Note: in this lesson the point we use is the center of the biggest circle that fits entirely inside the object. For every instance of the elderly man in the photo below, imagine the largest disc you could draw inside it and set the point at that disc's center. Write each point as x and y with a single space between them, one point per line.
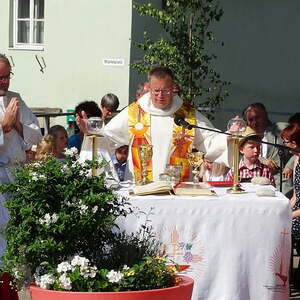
19 130
257 118
150 120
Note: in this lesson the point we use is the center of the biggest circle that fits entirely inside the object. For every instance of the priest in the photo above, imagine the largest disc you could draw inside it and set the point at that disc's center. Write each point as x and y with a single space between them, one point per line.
19 130
150 120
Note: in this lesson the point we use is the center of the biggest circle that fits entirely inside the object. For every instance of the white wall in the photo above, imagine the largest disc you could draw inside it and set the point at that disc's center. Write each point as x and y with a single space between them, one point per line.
78 35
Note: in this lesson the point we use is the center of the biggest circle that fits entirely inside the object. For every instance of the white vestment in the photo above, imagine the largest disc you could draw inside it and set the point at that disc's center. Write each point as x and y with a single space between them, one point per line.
13 146
213 144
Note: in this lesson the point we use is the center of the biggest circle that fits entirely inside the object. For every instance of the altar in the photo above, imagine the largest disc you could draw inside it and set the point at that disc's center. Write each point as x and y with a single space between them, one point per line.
236 247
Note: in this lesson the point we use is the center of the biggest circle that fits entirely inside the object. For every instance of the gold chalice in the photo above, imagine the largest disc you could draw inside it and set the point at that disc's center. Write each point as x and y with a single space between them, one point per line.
196 159
145 154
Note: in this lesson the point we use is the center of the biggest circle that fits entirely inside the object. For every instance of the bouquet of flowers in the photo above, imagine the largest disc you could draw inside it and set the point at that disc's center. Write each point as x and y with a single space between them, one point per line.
62 232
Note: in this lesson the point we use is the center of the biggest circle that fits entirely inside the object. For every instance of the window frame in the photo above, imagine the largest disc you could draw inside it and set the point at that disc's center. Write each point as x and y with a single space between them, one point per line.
30 45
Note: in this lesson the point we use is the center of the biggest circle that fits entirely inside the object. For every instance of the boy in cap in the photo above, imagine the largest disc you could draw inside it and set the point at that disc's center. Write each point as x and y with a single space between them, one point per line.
250 166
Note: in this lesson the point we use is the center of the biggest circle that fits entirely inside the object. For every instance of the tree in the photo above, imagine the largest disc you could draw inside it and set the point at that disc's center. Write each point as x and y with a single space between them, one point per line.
184 48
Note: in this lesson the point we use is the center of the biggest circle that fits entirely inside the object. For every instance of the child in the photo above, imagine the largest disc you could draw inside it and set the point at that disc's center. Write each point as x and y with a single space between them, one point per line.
250 166
60 137
120 160
212 171
45 148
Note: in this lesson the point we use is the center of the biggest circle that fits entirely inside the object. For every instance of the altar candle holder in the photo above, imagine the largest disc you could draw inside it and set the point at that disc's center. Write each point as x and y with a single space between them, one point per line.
239 126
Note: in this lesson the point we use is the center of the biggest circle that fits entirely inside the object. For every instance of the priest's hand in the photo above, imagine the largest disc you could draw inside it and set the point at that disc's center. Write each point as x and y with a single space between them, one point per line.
10 115
82 121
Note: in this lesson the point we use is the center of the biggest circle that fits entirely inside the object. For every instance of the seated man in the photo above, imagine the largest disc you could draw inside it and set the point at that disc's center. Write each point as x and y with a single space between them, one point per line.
150 121
109 105
84 109
250 166
257 118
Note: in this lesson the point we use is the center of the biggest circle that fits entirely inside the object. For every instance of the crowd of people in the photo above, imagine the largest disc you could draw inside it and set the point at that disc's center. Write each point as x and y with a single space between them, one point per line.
149 120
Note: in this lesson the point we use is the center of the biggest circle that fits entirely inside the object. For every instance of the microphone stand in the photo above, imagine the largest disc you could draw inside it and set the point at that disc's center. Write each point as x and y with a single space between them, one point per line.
280 147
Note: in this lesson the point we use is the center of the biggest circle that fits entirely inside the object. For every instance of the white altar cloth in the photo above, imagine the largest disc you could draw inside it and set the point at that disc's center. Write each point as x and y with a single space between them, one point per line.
238 246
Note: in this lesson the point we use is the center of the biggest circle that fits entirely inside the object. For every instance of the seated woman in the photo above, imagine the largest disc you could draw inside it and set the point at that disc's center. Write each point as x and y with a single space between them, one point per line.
291 138
60 137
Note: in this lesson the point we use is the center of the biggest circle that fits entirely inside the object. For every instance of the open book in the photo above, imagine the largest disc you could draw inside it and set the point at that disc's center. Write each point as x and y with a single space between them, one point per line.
193 189
157 187
184 189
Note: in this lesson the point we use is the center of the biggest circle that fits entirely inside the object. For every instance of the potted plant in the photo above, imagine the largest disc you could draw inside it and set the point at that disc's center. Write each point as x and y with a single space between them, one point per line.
62 236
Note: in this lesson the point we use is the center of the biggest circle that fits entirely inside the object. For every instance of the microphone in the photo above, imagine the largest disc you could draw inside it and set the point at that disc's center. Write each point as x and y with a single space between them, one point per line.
179 121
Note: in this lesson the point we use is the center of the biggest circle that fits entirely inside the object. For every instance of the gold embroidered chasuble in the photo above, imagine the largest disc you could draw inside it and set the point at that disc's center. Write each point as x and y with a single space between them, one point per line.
139 123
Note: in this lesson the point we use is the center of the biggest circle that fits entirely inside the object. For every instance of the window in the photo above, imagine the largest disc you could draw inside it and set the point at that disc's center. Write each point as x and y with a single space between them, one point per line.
28 24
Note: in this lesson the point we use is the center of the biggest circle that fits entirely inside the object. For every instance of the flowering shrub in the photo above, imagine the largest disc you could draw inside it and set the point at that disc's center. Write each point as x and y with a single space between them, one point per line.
80 275
62 232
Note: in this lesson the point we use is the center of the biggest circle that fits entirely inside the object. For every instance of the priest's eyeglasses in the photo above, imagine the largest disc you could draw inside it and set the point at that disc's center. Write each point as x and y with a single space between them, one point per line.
163 91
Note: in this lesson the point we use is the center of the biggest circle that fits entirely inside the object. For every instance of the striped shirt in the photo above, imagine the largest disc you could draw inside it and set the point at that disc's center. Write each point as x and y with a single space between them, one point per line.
257 170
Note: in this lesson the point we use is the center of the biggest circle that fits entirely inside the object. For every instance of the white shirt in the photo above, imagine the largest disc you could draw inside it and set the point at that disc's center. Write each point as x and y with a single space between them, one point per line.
211 143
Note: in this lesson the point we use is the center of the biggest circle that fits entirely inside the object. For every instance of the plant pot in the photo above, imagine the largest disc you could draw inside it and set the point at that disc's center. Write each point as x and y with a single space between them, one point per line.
183 291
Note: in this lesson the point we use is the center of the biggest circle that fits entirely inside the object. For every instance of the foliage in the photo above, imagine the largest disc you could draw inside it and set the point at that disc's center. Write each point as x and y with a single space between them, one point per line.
79 275
184 48
59 211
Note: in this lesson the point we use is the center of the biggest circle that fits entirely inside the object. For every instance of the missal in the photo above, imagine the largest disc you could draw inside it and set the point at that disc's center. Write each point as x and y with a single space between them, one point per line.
181 188
193 189
157 187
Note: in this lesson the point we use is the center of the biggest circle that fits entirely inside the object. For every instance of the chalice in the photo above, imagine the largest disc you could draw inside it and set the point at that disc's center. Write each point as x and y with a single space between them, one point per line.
174 172
145 154
196 159
237 127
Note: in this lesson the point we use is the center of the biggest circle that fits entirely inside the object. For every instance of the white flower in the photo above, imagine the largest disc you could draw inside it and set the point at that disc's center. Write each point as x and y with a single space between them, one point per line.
114 276
65 282
48 219
54 218
93 272
89 272
34 176
94 209
126 267
71 152
46 280
83 209
64 267
82 262
65 169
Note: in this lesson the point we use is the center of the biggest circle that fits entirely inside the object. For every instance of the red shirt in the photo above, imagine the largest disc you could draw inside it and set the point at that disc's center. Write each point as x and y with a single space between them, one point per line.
257 170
